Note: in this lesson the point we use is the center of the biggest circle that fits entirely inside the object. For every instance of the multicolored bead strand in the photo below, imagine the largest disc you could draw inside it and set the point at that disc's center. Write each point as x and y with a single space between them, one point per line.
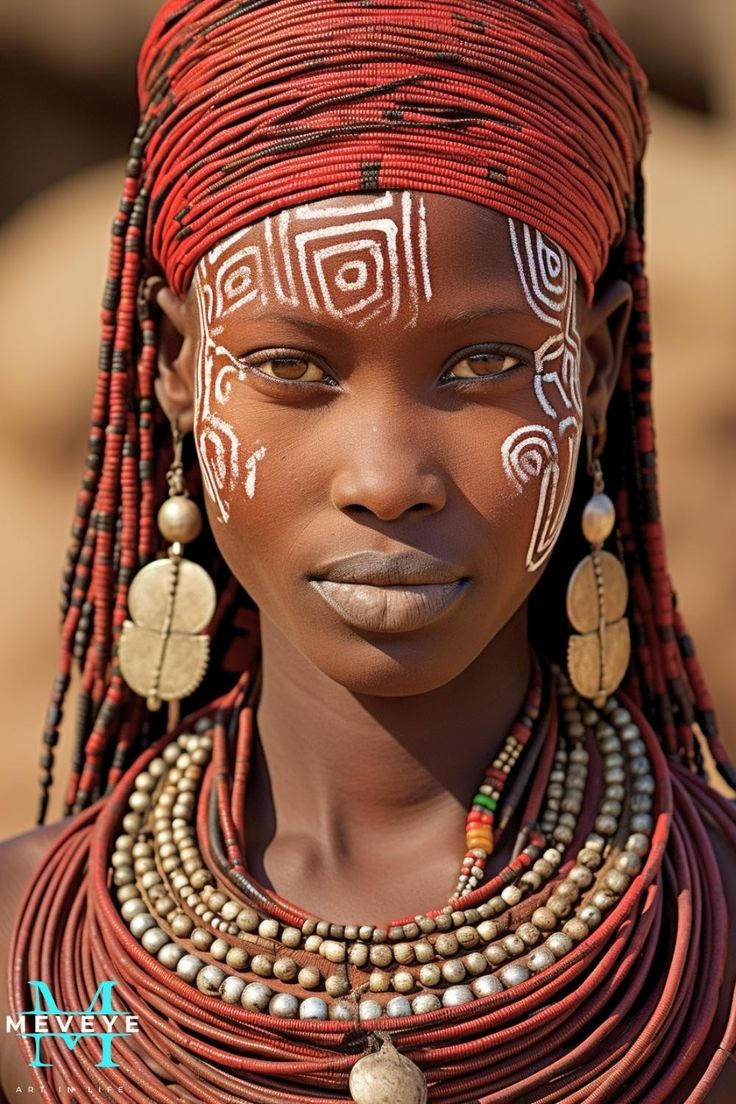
479 825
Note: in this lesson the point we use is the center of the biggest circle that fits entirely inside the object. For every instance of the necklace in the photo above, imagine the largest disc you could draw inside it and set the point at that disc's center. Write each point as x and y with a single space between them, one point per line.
231 775
244 997
197 909
168 892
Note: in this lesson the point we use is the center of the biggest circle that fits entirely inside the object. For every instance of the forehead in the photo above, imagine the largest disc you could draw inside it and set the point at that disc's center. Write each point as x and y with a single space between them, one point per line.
388 257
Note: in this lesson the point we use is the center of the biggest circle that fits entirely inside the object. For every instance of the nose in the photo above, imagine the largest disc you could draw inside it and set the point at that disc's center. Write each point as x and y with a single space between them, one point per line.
385 472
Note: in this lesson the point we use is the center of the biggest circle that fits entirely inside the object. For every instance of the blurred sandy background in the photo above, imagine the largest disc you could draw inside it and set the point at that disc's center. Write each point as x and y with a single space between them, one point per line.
66 72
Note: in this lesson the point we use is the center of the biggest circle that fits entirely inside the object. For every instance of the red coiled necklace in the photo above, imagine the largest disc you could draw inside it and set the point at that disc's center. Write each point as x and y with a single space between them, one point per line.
587 968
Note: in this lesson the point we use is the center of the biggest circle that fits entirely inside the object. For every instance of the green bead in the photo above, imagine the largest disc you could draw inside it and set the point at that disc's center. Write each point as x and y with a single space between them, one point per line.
489 803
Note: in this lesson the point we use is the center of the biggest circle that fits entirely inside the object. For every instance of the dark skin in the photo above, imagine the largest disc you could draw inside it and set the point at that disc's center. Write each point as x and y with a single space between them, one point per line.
354 724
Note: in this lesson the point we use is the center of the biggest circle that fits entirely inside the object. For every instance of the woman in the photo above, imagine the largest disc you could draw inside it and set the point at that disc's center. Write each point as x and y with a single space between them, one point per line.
394 283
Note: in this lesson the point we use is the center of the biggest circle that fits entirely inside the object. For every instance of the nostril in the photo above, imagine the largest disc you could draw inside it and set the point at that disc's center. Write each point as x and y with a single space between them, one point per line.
389 492
415 508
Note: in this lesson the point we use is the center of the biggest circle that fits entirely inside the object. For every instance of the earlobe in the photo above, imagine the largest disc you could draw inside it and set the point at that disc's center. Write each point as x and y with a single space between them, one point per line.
603 334
174 385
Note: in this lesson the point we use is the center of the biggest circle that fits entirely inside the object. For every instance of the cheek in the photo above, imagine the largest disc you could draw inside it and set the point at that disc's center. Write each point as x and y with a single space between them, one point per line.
541 472
540 456
229 457
502 492
272 492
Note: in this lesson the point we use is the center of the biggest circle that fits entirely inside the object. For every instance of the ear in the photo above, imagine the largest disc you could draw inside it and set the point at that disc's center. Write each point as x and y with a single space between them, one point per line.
603 333
174 386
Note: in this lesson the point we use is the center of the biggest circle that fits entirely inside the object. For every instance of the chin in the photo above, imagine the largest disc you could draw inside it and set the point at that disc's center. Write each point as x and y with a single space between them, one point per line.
393 667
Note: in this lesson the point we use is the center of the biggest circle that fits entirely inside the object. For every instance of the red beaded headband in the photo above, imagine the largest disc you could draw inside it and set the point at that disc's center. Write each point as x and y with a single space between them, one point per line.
531 109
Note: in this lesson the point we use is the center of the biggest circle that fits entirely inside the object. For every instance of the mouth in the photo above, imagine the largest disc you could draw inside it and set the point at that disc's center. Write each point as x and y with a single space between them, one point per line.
389 593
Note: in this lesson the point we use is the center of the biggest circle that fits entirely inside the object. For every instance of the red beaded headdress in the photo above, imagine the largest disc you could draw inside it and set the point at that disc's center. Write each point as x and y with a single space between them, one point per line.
532 108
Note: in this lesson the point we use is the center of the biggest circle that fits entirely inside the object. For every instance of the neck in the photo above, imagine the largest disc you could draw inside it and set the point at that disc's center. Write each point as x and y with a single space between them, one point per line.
335 766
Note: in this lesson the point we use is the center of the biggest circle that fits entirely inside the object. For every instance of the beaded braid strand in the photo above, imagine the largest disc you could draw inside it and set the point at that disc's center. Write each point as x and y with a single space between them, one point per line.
666 677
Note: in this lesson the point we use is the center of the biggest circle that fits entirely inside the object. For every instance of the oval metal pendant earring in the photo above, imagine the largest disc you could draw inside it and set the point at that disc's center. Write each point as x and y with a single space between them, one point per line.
597 596
163 652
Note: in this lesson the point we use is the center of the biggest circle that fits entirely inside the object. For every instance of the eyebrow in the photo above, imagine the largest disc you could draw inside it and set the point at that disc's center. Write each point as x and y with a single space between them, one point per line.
470 314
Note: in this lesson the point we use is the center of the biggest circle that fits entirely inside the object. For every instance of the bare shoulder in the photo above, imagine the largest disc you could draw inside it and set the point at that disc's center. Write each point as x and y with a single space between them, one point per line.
19 857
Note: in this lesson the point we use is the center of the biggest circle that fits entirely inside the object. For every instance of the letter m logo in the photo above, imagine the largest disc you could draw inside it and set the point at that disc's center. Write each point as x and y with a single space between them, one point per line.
45 1003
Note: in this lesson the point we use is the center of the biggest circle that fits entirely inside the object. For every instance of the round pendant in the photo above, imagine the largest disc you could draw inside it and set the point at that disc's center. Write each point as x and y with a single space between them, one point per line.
387 1077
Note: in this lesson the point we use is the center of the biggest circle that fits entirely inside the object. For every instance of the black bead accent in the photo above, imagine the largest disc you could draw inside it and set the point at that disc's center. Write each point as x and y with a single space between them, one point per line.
369 171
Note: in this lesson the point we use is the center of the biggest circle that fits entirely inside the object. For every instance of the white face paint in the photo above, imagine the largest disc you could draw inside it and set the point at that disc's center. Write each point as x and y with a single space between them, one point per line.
250 467
536 453
217 443
360 261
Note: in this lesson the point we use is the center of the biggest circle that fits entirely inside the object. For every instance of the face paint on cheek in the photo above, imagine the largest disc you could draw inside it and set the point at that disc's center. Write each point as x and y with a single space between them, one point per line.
532 453
250 467
218 446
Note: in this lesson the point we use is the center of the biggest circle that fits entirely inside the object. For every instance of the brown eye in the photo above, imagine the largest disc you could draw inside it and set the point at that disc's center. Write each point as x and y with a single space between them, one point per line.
292 368
483 364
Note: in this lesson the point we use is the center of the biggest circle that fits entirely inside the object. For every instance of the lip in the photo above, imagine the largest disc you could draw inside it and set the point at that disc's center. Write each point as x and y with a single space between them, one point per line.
410 567
389 592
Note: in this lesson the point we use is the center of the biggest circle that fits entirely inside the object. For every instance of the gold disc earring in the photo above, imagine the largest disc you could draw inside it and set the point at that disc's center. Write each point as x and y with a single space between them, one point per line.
163 653
597 595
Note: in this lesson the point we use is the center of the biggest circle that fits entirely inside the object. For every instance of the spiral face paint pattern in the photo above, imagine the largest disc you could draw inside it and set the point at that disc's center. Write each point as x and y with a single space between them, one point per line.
536 452
359 261
547 454
217 443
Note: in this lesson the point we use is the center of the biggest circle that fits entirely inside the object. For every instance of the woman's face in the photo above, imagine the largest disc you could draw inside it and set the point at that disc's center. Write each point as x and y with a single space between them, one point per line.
389 401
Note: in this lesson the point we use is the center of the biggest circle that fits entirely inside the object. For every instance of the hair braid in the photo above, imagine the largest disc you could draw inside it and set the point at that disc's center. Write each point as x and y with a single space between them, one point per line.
109 510
665 675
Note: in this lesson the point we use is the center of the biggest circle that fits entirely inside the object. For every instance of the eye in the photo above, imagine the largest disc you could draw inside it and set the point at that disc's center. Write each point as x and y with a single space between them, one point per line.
288 368
480 365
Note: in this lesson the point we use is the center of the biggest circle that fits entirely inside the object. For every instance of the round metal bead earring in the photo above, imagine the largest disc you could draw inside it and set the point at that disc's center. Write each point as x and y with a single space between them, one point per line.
163 650
597 596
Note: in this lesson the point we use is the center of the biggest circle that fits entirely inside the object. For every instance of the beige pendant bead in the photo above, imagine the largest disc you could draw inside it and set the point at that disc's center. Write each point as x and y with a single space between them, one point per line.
599 517
597 595
179 519
387 1077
